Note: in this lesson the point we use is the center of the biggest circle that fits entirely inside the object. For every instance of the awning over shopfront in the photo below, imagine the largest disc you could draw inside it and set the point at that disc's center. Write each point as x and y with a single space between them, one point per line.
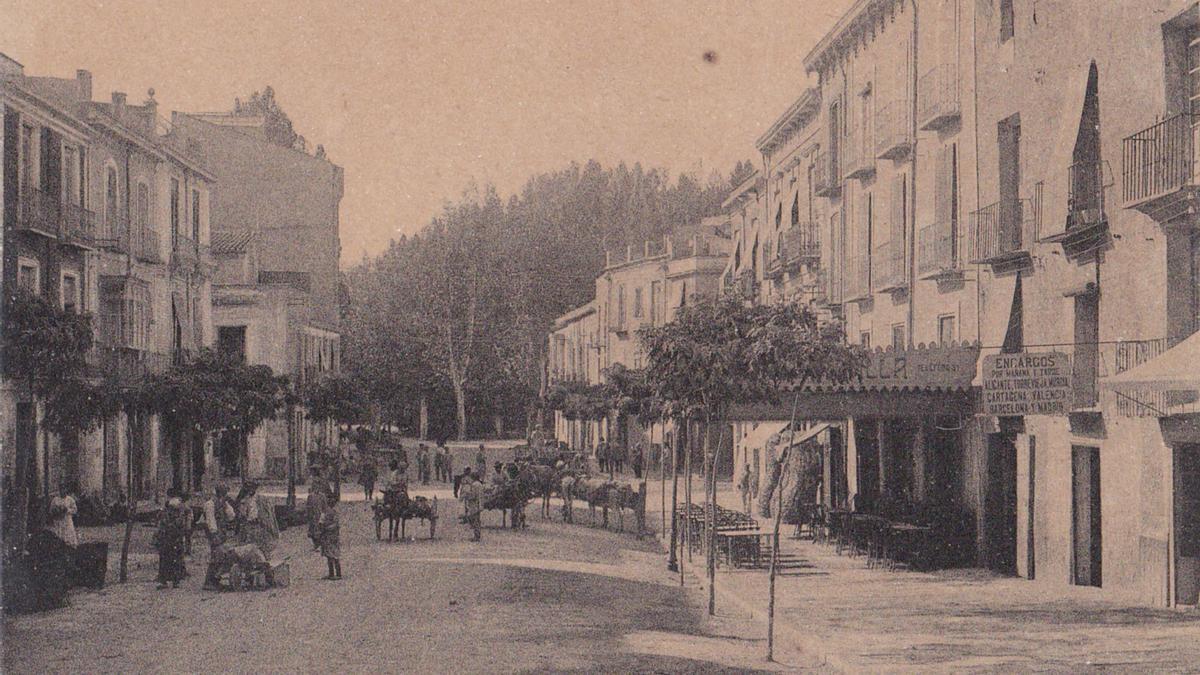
1166 385
1177 369
913 382
809 434
759 436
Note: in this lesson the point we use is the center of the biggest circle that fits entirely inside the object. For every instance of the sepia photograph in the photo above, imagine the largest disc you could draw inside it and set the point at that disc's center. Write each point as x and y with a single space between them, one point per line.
600 336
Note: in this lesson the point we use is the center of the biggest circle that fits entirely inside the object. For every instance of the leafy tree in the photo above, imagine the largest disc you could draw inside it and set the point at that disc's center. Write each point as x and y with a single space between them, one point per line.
717 352
45 356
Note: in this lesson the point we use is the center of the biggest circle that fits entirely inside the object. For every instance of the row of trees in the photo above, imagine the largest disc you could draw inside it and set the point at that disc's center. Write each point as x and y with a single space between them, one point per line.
446 329
46 354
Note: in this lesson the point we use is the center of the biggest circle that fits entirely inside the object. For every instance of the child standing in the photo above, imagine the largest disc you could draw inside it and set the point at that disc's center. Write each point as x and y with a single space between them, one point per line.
331 540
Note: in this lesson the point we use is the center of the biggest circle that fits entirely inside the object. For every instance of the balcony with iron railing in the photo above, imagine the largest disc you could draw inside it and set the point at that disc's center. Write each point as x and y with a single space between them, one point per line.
858 278
113 233
891 271
1003 233
184 253
893 130
46 214
1158 168
1086 229
858 158
1092 362
826 179
124 364
938 98
800 243
145 245
937 252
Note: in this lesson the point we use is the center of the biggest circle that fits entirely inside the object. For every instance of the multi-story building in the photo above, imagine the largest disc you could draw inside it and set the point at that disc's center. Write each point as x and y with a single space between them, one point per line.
279 296
141 195
640 286
983 195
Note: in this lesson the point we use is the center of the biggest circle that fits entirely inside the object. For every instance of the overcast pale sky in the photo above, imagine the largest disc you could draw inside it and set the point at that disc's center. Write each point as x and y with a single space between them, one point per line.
416 99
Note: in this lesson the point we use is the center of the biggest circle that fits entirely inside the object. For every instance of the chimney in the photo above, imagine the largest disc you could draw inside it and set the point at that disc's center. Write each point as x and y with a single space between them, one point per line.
118 103
84 80
151 106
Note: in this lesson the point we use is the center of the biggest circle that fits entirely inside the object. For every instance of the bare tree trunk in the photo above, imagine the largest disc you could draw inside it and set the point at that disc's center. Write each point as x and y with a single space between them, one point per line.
712 531
687 494
423 422
291 490
131 499
779 487
460 407
676 558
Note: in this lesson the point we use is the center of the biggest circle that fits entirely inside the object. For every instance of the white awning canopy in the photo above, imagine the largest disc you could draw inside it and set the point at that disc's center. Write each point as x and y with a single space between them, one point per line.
759 436
809 434
1177 369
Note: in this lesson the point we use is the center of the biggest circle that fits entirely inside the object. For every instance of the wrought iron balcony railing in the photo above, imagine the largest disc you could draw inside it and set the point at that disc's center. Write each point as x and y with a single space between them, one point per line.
893 130
890 271
1159 163
938 98
937 251
1006 230
826 176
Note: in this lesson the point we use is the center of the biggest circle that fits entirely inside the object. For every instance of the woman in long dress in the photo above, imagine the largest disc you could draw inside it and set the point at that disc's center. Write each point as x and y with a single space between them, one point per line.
62 512
170 540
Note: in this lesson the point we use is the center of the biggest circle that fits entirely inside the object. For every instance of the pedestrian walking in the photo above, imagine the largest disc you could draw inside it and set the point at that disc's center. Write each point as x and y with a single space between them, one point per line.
618 454
743 487
448 461
602 456
635 462
471 494
169 541
62 516
367 478
331 545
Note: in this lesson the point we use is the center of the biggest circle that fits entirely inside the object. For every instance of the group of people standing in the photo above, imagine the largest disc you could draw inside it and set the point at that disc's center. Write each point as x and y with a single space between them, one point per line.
436 464
612 457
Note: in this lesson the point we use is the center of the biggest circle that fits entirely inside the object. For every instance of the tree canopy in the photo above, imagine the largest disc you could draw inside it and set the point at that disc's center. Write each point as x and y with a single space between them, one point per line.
462 309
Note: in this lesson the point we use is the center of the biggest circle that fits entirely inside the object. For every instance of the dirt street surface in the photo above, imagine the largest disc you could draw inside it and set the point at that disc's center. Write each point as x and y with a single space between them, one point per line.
552 598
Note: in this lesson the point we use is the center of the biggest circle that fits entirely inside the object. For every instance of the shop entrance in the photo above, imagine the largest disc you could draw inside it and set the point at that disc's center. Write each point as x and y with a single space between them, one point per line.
1187 524
1000 508
1085 515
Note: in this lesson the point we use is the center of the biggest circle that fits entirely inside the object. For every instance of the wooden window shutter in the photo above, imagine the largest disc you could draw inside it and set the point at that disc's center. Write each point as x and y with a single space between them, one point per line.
898 229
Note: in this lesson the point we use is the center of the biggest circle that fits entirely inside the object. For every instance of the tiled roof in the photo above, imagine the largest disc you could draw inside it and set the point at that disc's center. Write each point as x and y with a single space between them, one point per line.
231 242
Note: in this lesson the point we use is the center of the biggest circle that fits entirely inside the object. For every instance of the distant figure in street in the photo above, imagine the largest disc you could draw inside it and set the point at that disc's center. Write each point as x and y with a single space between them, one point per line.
447 460
471 494
423 464
602 456
460 480
62 516
636 461
169 540
331 546
393 477
480 464
367 478
618 456
743 487
314 506
439 465
402 461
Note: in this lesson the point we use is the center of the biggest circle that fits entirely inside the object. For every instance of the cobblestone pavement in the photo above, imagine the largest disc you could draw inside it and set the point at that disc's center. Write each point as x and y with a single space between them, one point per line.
555 597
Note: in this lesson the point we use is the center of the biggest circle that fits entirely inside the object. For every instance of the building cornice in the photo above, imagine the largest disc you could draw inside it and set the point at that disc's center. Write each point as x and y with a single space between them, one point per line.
855 26
795 118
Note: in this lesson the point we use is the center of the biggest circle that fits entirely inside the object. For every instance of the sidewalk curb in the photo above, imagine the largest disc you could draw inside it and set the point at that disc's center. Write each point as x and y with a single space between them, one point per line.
808 644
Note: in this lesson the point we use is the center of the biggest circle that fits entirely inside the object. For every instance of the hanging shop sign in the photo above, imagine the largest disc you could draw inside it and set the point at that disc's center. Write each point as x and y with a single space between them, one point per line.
1026 384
